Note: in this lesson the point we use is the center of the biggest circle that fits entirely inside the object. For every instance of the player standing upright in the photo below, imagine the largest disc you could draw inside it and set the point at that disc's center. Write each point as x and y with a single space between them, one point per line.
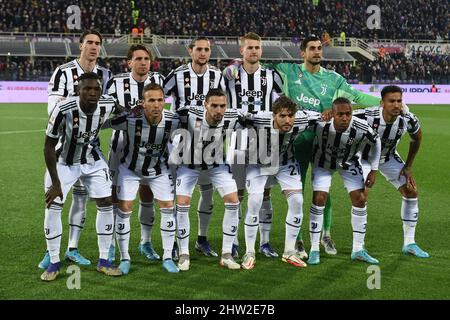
127 89
63 84
254 89
188 86
391 125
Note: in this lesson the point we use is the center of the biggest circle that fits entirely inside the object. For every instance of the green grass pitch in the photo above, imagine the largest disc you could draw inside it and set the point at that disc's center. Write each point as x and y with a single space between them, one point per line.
402 277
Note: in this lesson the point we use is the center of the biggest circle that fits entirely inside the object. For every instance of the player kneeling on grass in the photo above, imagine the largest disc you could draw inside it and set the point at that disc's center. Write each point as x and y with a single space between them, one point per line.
336 148
391 124
283 124
144 161
74 125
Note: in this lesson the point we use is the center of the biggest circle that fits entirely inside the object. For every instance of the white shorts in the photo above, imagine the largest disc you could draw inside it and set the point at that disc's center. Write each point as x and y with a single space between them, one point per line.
288 176
94 176
220 176
128 184
390 170
114 156
353 178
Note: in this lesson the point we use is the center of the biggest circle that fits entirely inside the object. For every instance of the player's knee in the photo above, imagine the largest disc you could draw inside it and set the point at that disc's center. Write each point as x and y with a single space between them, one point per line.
165 204
359 199
145 193
183 201
104 202
125 206
320 198
231 198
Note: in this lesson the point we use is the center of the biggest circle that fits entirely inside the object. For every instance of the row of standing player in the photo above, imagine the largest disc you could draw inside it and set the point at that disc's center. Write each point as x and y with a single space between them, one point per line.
252 90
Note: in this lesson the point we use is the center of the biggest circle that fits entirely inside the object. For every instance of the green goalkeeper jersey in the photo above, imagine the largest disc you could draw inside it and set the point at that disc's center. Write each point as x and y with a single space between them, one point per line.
317 91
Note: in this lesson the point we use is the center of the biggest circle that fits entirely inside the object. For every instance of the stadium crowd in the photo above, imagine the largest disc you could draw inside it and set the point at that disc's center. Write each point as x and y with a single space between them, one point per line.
392 68
407 19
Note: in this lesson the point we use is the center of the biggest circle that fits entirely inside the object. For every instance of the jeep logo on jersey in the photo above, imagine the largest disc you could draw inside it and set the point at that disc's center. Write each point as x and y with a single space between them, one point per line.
251 93
135 102
312 101
88 134
151 146
196 97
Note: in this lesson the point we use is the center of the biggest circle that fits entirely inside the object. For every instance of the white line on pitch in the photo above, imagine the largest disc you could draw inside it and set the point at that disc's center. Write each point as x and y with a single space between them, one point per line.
21 131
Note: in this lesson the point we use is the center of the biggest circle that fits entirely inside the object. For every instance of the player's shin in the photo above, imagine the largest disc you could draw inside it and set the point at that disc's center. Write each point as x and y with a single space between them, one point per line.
146 219
123 233
293 219
315 225
53 231
205 209
265 220
77 214
168 228
359 221
410 215
183 228
104 226
229 226
251 220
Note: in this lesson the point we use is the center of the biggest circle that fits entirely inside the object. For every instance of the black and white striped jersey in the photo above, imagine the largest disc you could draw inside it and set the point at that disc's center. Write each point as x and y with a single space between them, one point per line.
64 81
189 88
128 93
263 120
390 133
254 92
205 140
333 150
78 131
145 146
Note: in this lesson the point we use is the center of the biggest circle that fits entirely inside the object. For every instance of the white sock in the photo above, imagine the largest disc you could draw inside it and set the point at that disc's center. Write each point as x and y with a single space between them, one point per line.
146 218
229 226
123 233
410 215
265 221
168 229
293 219
251 220
315 225
359 221
183 228
105 226
240 210
53 231
205 208
77 214
113 240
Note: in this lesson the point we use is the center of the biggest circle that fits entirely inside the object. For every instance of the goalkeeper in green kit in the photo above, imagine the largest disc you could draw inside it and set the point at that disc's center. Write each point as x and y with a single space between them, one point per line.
314 88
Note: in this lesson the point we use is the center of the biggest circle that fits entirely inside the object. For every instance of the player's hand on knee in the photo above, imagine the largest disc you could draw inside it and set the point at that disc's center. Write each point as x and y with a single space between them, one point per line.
52 193
371 177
